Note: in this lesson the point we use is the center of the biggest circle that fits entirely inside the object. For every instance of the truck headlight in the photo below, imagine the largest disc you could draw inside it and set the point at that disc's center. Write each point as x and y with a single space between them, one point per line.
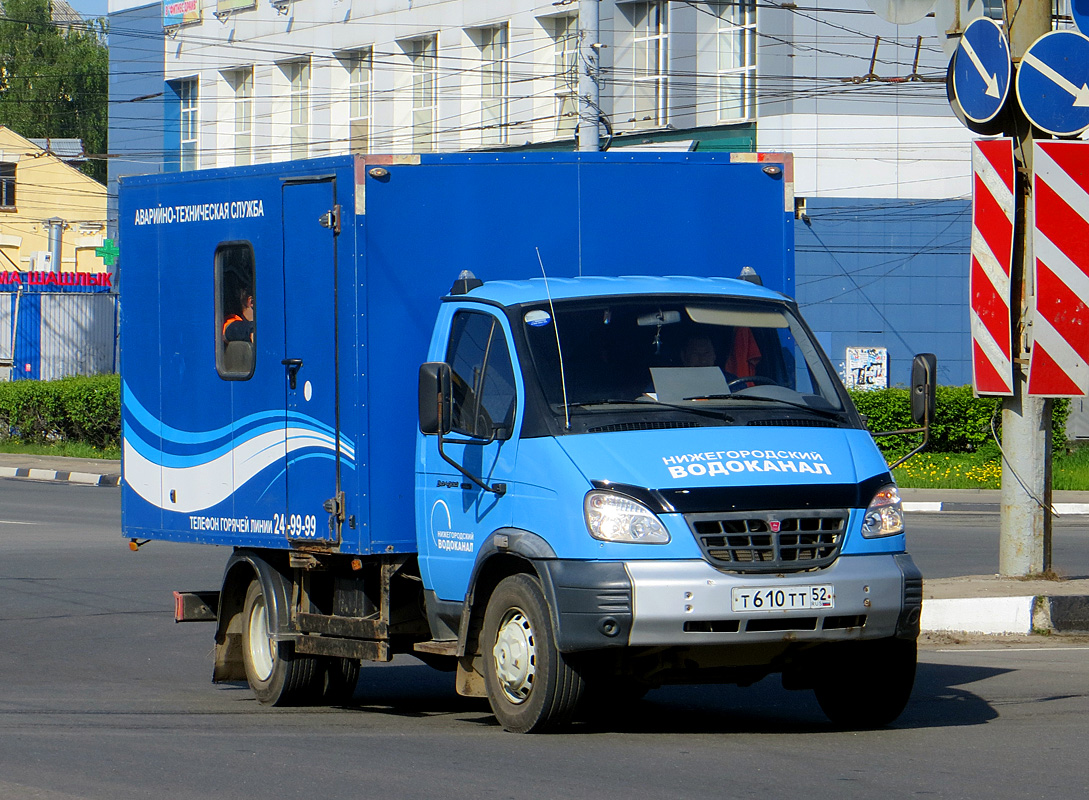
615 518
885 514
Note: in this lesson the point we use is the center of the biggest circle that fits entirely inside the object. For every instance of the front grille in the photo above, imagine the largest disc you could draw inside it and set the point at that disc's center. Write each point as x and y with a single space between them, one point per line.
775 541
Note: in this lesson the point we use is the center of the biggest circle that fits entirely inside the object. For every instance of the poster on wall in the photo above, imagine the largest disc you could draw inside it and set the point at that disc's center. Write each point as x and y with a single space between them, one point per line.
223 6
180 12
867 368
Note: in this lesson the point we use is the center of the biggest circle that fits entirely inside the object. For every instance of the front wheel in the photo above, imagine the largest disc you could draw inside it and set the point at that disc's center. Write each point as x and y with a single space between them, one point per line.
276 673
867 684
530 685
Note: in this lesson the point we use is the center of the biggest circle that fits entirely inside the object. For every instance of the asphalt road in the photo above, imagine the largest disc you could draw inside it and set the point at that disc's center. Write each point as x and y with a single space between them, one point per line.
948 544
103 697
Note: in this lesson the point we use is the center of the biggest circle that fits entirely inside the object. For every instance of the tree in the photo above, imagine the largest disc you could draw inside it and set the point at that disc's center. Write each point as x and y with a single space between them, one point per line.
54 78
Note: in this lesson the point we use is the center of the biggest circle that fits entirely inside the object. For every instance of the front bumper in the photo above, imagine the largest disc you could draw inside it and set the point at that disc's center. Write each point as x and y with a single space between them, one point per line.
688 603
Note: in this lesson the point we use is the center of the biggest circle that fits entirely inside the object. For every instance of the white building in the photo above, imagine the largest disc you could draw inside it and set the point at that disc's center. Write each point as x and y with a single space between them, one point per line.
880 159
254 80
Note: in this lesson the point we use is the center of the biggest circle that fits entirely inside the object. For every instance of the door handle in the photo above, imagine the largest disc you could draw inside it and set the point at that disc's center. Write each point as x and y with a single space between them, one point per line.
293 366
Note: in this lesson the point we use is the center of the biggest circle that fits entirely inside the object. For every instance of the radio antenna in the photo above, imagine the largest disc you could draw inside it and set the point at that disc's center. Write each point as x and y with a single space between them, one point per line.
559 348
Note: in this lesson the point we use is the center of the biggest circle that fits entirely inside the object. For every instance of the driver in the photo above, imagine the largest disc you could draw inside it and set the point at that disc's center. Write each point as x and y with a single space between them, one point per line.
698 351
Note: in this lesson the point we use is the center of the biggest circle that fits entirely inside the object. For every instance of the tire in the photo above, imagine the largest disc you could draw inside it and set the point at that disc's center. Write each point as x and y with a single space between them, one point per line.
277 675
530 685
340 678
867 684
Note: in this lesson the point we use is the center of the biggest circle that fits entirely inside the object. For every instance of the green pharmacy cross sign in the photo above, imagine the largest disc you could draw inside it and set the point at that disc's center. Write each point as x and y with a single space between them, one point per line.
108 252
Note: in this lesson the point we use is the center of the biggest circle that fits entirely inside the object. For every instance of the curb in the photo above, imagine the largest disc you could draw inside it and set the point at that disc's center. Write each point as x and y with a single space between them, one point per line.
1059 614
1061 509
86 478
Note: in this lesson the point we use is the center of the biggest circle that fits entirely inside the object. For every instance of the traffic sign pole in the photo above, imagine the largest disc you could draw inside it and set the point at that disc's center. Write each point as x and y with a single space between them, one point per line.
1025 540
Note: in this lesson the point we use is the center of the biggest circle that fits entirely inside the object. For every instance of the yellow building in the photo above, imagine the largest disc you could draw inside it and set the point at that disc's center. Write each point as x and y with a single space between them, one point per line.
40 193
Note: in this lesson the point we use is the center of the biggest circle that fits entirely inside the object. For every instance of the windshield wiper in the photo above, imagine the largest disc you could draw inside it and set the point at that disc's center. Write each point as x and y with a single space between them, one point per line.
828 413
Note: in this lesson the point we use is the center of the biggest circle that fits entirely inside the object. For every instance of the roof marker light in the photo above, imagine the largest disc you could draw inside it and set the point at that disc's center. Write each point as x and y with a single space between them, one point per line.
749 274
465 283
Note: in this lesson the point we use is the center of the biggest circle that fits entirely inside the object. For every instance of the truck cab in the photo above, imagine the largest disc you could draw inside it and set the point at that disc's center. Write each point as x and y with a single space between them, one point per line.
637 480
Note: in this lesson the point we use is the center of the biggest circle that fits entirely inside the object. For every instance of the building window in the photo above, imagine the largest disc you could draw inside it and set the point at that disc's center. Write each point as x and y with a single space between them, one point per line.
423 54
298 76
241 82
565 36
360 77
650 40
736 71
493 85
7 185
188 99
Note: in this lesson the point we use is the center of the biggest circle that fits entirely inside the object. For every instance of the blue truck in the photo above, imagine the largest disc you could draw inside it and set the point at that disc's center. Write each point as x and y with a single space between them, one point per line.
504 413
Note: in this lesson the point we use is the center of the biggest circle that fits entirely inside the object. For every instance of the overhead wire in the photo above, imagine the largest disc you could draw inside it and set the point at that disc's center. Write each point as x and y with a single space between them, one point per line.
524 68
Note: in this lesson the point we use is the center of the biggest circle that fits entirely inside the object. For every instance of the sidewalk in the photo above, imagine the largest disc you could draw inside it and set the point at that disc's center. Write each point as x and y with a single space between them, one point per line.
984 604
984 500
92 471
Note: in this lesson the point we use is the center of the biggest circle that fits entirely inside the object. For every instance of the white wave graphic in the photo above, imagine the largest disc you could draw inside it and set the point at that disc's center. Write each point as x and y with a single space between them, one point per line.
205 485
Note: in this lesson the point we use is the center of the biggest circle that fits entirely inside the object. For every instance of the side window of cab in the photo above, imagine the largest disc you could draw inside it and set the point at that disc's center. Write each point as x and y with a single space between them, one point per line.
236 311
483 377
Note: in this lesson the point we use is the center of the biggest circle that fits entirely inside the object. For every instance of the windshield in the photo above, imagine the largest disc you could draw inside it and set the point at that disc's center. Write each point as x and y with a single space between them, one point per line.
702 356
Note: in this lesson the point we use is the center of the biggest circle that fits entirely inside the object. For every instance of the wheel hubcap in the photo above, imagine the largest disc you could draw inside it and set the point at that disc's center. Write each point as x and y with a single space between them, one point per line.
259 641
515 655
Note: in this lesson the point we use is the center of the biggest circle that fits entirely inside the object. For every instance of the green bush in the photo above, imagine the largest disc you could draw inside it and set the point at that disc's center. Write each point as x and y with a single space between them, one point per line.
77 409
962 422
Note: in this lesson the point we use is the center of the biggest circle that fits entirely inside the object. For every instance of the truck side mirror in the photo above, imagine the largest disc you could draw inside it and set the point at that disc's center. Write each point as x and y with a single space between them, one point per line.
924 376
924 370
435 397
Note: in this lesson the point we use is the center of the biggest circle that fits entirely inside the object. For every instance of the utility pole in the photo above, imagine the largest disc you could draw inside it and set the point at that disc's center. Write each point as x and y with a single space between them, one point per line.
1025 540
589 72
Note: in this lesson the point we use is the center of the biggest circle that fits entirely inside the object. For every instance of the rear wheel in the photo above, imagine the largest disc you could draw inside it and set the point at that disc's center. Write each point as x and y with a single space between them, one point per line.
340 678
867 684
276 673
530 685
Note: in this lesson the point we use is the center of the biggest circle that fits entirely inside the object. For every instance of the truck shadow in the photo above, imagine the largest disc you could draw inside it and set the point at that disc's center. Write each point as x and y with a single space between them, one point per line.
940 700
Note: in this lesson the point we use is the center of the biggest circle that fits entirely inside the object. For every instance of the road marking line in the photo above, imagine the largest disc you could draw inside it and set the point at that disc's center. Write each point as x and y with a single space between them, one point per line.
17 522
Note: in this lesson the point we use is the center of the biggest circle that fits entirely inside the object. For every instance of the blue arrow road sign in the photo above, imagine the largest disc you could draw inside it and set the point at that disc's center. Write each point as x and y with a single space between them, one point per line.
982 70
1079 10
1053 83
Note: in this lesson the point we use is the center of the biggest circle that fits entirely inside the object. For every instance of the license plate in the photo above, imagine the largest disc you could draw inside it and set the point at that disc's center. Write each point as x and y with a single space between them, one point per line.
774 598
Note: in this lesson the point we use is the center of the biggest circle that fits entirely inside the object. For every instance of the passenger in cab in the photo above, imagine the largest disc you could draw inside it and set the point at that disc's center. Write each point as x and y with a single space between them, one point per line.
239 326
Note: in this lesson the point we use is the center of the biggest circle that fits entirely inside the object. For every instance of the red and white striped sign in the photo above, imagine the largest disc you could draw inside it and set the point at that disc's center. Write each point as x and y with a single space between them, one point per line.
1059 362
992 256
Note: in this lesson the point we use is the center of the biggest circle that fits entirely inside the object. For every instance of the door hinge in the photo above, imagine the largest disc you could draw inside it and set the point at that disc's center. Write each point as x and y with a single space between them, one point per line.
334 507
331 219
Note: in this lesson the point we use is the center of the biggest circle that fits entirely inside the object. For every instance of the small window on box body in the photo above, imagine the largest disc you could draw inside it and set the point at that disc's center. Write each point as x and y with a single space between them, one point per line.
236 311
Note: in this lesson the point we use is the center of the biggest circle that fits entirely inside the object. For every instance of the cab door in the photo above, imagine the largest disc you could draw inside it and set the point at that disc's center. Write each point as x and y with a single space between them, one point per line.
312 464
455 514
